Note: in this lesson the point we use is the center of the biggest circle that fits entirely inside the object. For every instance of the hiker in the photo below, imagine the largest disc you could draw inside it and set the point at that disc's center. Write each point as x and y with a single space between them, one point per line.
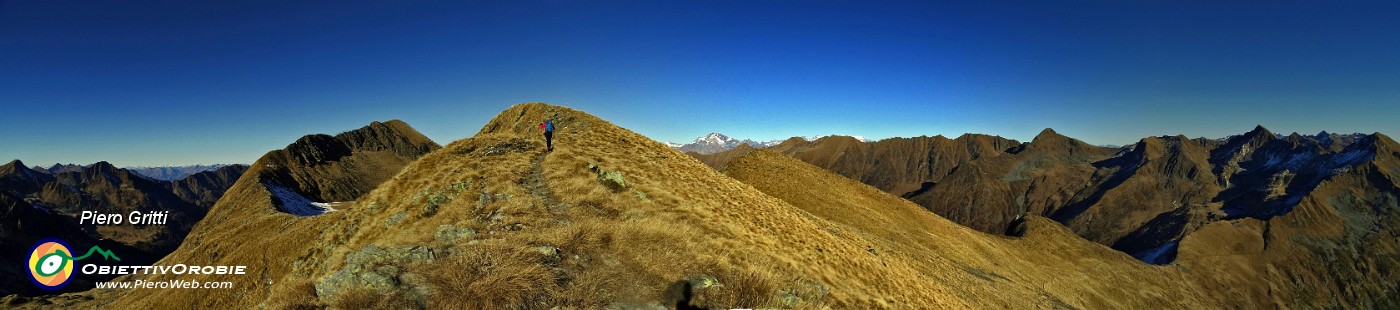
548 126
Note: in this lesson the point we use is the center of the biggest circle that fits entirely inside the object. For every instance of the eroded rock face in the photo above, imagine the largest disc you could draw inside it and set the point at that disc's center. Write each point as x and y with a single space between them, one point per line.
313 149
343 167
394 136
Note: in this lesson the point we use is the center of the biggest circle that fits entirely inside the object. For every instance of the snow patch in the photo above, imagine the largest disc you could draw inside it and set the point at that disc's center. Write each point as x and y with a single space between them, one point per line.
38 205
1160 255
1274 159
1298 161
1349 158
296 204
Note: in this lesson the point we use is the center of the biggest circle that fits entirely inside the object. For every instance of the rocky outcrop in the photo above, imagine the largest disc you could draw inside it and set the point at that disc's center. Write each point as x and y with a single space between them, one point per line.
343 167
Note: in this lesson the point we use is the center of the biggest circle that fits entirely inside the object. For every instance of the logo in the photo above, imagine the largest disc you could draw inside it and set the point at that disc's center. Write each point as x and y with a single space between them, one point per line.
51 262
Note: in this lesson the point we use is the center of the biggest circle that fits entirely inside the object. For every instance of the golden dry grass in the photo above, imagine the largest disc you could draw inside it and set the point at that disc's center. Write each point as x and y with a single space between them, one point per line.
295 295
493 276
548 231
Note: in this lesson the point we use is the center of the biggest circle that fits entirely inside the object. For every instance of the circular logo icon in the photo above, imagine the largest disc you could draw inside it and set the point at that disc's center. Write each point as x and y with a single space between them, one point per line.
50 264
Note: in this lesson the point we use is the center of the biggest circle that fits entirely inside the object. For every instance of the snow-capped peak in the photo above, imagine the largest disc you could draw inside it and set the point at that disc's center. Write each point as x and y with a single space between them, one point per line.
716 142
715 138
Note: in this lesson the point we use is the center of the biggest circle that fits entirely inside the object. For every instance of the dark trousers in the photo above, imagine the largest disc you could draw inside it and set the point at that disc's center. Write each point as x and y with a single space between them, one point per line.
549 140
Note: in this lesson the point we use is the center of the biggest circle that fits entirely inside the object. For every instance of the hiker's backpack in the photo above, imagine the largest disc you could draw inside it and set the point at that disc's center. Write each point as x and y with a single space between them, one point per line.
548 125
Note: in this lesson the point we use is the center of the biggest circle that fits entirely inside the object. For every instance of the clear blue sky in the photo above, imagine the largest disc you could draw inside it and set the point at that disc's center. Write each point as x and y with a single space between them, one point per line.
182 82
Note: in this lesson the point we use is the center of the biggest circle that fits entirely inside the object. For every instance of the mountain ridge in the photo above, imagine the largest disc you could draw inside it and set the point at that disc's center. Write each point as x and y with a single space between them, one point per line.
173 173
1150 200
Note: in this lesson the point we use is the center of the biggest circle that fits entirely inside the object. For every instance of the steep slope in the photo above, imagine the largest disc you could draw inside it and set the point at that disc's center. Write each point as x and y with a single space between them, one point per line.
1146 198
1337 248
612 219
1150 199
1028 272
339 168
1039 177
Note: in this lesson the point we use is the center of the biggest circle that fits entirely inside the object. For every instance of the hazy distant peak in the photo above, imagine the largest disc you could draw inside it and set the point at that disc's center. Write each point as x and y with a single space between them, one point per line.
717 142
171 173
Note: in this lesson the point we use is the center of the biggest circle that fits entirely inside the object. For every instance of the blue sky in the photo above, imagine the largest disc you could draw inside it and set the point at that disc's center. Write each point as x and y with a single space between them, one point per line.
183 82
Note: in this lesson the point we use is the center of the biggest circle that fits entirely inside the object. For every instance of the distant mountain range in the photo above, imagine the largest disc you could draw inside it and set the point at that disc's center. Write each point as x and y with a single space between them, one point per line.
171 173
37 203
717 142
163 173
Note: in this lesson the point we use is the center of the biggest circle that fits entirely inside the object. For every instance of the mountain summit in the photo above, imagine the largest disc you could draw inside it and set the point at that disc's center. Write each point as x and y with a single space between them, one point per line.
320 169
716 142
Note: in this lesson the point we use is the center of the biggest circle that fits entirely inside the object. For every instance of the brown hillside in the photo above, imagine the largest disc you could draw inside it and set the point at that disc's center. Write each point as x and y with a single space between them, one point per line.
993 270
1285 221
